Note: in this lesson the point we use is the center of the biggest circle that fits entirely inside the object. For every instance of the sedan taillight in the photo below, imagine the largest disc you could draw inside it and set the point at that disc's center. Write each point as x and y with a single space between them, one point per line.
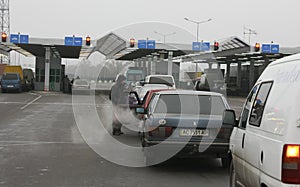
160 131
291 164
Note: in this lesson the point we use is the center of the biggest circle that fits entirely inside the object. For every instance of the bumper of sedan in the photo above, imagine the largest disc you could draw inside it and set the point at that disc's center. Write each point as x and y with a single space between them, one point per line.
193 149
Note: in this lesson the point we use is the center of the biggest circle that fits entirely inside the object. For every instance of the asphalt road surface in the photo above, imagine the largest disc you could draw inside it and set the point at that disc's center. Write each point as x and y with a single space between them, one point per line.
42 144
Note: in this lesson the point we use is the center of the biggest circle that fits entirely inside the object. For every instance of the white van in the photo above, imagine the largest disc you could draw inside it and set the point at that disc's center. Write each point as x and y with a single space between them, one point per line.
160 79
265 143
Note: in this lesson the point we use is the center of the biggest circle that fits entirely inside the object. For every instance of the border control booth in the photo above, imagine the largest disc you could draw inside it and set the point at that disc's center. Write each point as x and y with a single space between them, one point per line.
49 71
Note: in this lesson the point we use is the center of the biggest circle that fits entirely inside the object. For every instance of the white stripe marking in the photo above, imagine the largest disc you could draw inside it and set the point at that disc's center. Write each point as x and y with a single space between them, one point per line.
22 108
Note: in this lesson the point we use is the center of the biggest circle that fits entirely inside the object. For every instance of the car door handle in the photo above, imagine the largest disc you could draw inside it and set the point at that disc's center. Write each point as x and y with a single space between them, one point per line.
262 157
243 141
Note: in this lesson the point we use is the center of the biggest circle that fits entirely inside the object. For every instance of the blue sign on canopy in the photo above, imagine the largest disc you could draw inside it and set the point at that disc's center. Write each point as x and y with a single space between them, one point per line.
142 44
266 48
151 44
274 48
24 39
201 46
270 48
196 46
14 38
205 46
77 41
69 41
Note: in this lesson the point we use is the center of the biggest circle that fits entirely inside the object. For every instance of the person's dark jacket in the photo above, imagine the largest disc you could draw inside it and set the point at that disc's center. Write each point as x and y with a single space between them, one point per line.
118 94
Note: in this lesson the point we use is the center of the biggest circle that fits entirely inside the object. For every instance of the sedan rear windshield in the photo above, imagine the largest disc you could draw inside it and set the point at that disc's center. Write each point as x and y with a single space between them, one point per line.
10 77
81 82
161 80
190 104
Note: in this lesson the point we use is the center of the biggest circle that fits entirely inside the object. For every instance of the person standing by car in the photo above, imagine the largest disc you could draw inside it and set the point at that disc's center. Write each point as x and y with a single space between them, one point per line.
119 98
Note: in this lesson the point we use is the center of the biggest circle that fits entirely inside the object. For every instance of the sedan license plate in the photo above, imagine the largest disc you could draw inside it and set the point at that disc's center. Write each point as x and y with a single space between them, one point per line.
193 132
10 86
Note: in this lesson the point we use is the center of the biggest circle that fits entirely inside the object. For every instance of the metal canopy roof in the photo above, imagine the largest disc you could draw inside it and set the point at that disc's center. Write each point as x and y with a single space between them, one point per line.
36 47
4 49
110 45
136 53
233 43
140 53
228 48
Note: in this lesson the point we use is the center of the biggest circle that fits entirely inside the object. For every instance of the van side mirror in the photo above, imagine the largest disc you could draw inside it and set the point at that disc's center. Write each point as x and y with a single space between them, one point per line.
229 118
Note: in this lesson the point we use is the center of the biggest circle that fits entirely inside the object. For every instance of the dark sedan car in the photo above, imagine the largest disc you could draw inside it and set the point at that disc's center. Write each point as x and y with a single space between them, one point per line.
190 121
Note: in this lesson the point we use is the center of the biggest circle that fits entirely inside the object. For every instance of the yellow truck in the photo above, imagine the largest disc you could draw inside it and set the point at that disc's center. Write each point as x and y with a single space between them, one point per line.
14 69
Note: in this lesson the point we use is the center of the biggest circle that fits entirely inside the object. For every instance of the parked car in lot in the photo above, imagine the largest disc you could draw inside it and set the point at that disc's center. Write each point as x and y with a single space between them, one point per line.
11 82
81 86
265 145
181 117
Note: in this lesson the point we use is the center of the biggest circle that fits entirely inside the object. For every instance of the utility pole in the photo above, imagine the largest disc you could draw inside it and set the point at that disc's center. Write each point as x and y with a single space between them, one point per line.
249 32
4 24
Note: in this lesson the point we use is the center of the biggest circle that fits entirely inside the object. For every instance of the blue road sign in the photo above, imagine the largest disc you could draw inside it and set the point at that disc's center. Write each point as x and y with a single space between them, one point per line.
270 48
77 41
24 39
151 44
14 38
69 41
201 46
205 46
274 48
196 46
266 48
142 44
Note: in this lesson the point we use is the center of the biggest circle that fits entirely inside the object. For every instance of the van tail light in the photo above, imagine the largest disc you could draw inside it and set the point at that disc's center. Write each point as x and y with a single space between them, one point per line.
160 131
291 164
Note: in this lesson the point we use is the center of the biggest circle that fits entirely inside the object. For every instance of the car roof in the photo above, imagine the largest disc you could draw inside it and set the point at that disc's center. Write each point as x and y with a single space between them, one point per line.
76 80
154 85
188 92
159 76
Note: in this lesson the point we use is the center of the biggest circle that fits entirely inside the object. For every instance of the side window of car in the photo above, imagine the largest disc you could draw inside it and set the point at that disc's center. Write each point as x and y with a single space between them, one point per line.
259 104
247 106
152 103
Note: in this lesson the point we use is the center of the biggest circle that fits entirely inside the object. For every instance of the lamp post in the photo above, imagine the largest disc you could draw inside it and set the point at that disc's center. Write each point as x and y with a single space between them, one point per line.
164 35
198 23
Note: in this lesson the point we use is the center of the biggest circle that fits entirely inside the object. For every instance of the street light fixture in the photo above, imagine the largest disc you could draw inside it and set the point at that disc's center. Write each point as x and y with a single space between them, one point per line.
164 35
198 23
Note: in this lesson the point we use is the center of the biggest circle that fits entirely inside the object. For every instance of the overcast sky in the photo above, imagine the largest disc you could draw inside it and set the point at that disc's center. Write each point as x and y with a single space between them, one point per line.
273 20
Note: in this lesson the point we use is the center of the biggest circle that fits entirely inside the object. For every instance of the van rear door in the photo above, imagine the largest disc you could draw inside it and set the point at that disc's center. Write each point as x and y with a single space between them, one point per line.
237 140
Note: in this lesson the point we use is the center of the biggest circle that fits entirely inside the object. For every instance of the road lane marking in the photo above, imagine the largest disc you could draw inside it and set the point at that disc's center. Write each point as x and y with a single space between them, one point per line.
22 108
19 143
10 102
31 93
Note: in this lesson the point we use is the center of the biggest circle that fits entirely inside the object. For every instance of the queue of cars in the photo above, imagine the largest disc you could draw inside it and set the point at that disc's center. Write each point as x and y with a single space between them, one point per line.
262 147
182 118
